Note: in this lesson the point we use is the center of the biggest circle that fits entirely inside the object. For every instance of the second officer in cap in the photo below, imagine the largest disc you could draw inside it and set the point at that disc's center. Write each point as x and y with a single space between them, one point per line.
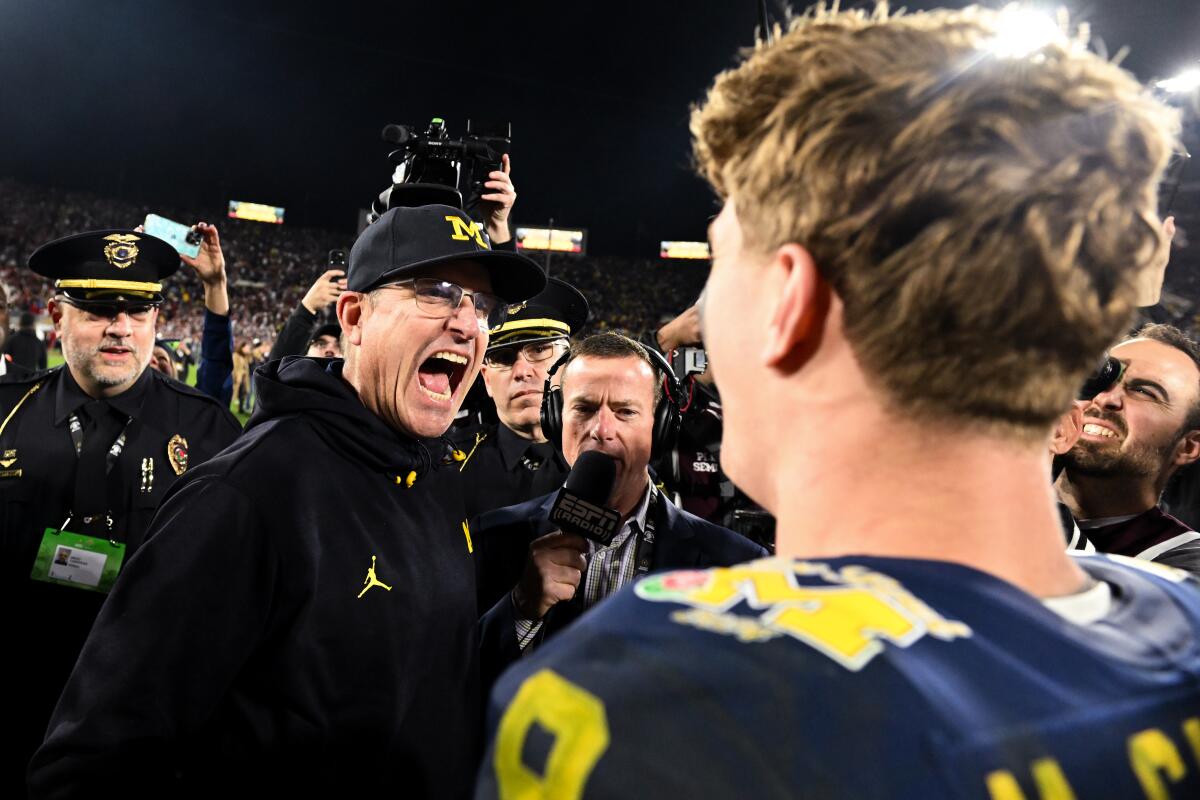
87 452
510 462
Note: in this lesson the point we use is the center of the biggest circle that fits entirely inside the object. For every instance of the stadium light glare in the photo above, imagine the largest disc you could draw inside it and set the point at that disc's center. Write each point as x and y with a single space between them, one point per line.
1186 81
1023 30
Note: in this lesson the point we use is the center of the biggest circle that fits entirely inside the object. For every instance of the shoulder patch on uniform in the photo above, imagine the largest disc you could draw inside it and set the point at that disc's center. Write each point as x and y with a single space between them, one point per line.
30 377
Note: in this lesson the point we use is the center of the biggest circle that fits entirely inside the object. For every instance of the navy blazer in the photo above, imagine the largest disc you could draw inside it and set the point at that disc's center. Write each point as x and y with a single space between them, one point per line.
502 538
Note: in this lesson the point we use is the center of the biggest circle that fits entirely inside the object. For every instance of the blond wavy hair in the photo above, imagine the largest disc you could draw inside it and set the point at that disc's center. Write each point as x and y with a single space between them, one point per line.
981 217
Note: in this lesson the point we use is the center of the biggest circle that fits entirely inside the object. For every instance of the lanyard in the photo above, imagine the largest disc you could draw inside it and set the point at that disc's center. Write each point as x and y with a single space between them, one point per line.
644 552
114 452
113 486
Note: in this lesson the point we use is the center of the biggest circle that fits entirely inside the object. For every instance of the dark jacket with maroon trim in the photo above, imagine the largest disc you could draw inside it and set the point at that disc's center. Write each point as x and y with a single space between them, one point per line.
1152 535
300 621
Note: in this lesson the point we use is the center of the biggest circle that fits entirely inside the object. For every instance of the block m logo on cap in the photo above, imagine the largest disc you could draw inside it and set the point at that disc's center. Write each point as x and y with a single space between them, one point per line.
464 230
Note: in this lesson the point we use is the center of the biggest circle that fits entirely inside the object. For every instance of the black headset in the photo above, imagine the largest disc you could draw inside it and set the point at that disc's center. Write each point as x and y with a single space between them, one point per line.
666 413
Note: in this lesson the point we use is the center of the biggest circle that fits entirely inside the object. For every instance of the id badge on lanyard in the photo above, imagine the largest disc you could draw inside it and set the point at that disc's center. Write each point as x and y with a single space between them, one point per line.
72 559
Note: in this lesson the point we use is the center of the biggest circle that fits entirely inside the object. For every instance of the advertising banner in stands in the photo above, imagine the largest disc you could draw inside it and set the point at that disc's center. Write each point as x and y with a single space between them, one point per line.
690 250
256 212
558 240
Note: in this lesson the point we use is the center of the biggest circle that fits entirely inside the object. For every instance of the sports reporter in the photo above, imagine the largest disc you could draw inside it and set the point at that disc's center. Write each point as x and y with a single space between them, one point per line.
611 400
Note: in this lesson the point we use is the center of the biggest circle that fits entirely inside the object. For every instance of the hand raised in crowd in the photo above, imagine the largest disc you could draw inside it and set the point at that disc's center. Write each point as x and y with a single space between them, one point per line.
325 290
681 331
499 201
552 574
209 265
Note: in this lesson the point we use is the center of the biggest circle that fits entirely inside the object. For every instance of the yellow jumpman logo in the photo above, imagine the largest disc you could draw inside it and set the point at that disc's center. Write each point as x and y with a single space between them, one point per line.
371 580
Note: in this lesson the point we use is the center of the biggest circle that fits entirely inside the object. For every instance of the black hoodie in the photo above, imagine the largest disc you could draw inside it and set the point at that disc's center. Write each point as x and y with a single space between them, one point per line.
248 645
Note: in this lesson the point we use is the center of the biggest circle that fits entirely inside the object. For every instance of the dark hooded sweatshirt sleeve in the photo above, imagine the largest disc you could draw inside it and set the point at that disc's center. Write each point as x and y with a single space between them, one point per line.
293 339
132 698
301 621
216 357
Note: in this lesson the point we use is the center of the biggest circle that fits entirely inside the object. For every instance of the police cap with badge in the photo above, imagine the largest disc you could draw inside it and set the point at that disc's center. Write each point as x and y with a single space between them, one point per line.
558 311
107 268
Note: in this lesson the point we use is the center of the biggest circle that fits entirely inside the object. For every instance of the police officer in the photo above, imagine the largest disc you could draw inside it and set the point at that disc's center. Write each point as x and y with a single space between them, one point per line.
511 462
87 451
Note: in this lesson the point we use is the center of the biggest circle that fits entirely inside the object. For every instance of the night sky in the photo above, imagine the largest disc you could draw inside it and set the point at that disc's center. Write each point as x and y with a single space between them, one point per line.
195 104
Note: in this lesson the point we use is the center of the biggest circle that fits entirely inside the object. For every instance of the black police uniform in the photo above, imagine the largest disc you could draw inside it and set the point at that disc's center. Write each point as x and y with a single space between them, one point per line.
502 468
168 428
59 453
302 619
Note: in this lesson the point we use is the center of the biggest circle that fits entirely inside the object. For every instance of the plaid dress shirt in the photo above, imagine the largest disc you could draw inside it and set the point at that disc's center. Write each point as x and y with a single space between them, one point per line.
608 568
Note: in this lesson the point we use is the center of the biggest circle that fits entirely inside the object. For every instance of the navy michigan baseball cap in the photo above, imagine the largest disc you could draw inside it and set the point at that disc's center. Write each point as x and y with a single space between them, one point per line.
405 240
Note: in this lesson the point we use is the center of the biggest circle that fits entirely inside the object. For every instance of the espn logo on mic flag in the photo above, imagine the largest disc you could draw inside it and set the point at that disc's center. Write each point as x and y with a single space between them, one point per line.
576 515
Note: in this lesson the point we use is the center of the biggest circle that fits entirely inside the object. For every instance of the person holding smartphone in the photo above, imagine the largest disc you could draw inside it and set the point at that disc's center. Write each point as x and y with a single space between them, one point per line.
216 339
200 248
298 332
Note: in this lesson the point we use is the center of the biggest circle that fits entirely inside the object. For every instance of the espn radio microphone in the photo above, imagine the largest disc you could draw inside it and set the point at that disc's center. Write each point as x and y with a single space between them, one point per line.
580 506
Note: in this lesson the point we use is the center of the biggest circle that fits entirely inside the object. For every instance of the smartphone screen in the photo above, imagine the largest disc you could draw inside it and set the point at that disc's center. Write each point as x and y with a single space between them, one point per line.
172 233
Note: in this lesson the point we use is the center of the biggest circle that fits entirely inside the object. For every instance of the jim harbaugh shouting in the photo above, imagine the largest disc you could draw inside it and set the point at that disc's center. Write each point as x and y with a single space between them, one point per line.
303 618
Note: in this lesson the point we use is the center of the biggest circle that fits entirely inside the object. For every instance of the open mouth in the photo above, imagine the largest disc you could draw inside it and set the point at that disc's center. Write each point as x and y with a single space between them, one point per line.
440 374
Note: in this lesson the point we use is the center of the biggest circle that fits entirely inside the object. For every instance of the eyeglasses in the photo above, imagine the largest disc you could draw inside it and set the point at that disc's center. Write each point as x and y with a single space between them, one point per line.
534 353
443 299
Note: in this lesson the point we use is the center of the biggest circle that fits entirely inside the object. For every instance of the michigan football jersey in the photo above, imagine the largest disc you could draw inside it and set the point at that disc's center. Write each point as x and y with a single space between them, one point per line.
859 678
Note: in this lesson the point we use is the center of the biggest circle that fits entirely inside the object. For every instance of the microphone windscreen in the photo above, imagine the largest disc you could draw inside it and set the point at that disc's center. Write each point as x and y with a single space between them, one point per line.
581 506
592 476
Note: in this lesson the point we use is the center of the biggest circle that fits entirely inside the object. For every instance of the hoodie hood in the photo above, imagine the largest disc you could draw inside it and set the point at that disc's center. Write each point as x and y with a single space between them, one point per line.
299 386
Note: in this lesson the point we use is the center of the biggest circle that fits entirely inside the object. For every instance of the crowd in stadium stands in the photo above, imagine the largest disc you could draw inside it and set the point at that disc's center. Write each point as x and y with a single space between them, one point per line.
632 295
270 267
